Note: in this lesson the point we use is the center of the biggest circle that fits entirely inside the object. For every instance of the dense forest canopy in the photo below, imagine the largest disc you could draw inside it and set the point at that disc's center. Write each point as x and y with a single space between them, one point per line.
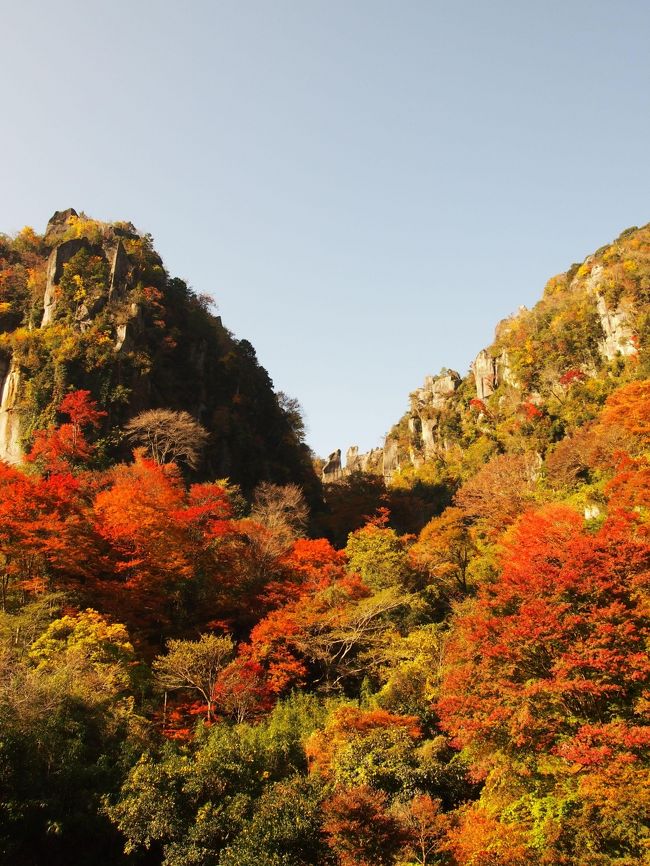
208 659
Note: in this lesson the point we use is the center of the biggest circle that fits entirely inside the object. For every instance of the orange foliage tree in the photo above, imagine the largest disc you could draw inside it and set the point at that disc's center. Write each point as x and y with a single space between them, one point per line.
359 828
57 447
164 542
547 687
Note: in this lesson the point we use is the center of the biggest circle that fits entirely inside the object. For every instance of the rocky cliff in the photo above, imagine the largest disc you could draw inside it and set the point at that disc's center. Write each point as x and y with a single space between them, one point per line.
547 370
90 305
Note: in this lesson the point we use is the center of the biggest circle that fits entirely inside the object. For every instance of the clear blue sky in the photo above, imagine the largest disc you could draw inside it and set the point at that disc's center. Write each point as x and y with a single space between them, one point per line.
365 187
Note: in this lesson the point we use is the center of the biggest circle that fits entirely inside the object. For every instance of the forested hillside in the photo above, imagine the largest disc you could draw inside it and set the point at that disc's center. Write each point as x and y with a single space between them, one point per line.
444 665
89 305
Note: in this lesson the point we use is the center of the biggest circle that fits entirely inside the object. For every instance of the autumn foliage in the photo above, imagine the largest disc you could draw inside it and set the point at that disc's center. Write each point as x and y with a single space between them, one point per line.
475 695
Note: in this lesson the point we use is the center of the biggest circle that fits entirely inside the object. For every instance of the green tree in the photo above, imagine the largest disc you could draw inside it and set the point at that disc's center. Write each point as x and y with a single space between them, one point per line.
195 666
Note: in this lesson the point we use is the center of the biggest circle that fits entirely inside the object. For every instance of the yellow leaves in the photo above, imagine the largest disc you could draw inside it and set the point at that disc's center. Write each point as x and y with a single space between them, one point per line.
19 340
27 237
80 292
529 357
554 286
629 266
610 253
67 349
583 270
36 279
82 227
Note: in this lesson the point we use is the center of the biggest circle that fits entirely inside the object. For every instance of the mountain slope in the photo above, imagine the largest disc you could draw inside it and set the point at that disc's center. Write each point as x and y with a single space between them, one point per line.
548 371
89 305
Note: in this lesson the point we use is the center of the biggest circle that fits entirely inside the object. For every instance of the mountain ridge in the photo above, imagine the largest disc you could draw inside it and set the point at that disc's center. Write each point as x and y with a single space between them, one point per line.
89 304
589 329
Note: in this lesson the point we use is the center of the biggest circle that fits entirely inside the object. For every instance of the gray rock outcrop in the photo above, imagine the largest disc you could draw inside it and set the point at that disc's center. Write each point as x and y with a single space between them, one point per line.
58 222
353 459
391 458
10 450
113 253
368 461
618 334
59 256
484 370
332 469
119 269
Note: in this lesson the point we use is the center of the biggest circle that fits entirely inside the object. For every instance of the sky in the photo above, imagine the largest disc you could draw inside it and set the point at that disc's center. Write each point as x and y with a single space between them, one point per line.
365 187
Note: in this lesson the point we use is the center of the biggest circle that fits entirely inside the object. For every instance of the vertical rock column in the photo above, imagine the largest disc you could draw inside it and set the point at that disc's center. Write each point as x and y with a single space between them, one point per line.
10 450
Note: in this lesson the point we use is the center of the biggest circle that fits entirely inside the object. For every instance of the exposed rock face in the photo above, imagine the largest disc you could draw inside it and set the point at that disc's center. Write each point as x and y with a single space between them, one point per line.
126 331
619 337
137 339
353 459
119 269
58 222
504 371
428 428
438 389
10 449
115 253
370 461
427 404
332 469
489 372
58 258
618 333
484 370
592 511
391 458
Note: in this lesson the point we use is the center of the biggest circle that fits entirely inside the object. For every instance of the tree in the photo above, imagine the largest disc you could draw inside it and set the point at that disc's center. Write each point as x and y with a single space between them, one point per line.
95 654
68 727
425 826
294 414
629 407
338 633
282 511
195 665
277 520
500 491
373 748
546 687
191 802
241 691
308 566
169 436
57 447
378 555
46 536
137 516
284 829
360 829
445 548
